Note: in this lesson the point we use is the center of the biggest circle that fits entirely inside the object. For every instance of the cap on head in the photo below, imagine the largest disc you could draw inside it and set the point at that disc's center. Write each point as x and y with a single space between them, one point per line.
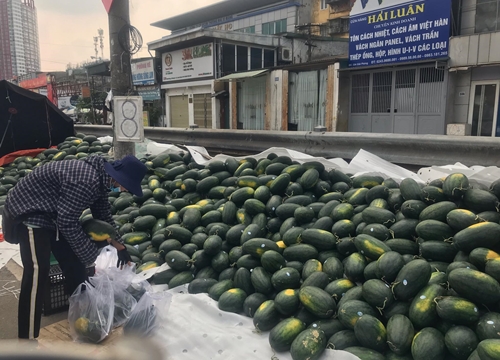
128 172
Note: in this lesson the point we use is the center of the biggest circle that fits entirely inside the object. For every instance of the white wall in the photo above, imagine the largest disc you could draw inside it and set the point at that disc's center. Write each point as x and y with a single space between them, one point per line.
275 99
461 97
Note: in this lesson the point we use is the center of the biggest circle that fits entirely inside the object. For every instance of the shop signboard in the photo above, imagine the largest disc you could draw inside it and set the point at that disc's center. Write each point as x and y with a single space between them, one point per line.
85 92
143 72
64 102
384 32
149 93
188 64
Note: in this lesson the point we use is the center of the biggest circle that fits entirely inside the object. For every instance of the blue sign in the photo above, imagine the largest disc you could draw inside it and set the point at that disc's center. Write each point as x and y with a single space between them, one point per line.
143 72
394 31
149 93
143 78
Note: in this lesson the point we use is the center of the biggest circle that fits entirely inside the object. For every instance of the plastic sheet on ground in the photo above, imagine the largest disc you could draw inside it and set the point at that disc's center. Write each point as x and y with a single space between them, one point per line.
106 139
480 174
201 156
195 329
154 148
367 163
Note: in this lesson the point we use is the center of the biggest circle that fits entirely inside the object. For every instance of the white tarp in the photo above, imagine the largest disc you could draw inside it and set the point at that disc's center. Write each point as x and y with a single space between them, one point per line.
195 329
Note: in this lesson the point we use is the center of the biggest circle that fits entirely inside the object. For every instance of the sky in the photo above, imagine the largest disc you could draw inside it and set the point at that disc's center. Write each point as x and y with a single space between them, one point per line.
67 27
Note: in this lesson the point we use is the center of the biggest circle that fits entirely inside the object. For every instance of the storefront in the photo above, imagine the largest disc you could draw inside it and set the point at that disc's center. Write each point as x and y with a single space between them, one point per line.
307 99
252 103
484 98
187 76
406 100
398 74
475 73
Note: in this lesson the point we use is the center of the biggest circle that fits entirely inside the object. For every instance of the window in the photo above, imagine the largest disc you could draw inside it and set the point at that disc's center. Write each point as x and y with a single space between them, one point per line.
274 27
487 15
266 28
323 5
255 58
247 30
281 26
228 58
339 26
242 56
268 58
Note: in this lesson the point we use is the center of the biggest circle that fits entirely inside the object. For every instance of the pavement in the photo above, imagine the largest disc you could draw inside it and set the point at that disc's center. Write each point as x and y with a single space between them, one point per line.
10 284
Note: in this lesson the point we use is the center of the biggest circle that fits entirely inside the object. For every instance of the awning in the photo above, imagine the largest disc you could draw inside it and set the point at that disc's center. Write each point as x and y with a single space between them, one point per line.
220 93
243 75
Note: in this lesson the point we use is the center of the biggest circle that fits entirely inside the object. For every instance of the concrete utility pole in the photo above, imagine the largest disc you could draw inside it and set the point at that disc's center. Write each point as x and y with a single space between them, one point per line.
119 16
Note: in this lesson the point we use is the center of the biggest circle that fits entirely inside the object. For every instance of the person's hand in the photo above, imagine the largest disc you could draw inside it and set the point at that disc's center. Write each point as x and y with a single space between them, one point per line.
123 258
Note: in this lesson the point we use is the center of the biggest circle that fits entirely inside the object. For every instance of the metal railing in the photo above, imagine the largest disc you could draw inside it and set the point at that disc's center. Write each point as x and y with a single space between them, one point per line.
415 150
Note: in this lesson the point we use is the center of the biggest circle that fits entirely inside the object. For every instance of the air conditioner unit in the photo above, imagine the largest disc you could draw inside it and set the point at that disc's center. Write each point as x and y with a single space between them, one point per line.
285 54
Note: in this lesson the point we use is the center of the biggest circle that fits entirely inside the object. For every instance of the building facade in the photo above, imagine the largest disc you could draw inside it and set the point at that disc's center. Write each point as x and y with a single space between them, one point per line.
397 70
475 70
243 65
19 41
331 17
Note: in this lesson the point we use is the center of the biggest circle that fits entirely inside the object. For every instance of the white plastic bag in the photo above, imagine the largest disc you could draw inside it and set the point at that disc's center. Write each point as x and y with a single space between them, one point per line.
91 309
124 301
120 281
106 260
149 313
138 288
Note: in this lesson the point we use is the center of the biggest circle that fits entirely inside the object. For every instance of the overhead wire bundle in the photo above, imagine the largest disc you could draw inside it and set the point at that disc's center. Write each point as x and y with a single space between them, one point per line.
130 39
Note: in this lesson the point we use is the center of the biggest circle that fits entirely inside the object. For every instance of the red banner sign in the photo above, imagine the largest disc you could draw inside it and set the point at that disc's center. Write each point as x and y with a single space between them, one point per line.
41 81
107 4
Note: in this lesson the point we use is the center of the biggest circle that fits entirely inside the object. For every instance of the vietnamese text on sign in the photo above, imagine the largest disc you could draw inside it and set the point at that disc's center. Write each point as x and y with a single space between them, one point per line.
418 30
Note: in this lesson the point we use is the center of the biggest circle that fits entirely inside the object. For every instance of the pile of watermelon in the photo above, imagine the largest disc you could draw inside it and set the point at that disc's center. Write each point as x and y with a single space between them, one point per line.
73 148
320 259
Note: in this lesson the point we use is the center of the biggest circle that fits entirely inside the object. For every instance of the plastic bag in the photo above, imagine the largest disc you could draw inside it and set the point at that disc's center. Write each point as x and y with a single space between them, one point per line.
91 309
120 281
149 313
107 259
138 289
124 301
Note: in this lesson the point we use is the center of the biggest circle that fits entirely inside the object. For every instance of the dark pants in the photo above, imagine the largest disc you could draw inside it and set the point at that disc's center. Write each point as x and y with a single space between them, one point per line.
36 245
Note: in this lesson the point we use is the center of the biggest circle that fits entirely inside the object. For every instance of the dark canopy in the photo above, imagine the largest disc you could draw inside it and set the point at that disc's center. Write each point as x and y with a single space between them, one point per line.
34 121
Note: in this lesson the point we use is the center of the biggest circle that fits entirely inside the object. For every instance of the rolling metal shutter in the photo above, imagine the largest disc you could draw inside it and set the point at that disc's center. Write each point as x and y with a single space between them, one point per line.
179 111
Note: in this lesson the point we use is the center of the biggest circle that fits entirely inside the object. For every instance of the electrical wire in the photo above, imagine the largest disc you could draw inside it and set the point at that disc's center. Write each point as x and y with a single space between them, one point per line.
130 39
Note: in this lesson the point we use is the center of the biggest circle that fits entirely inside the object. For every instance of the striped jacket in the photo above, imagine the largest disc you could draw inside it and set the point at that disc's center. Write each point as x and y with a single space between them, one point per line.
54 196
